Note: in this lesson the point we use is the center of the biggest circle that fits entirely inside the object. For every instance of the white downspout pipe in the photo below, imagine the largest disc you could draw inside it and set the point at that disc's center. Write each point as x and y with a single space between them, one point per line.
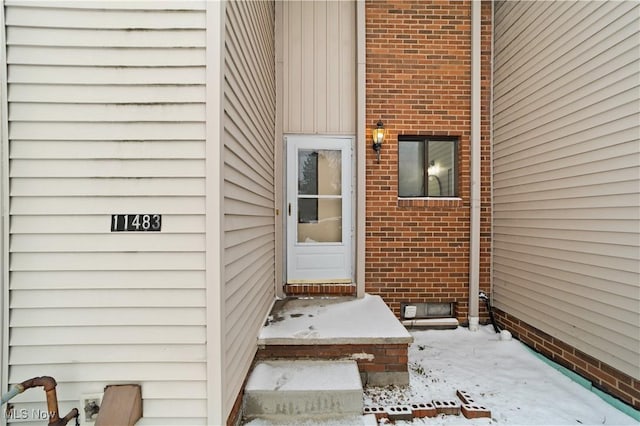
474 255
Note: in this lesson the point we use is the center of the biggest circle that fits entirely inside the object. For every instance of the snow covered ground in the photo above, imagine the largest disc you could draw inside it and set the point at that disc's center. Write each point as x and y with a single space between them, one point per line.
502 375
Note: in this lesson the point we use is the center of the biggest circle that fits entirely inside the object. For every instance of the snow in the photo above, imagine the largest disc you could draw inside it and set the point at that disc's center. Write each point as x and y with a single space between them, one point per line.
502 375
304 375
312 321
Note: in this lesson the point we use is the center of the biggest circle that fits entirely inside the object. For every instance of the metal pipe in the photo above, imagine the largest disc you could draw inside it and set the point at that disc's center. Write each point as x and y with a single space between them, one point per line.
49 384
474 252
17 389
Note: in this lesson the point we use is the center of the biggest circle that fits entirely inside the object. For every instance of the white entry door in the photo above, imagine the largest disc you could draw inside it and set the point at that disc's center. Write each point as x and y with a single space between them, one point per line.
319 216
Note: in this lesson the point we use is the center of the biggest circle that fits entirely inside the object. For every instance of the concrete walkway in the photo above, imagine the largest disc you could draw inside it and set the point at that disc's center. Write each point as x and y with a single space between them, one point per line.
328 321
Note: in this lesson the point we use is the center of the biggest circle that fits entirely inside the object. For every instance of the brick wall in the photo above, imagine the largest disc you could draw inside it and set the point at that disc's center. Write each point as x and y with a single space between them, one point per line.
371 358
418 83
604 377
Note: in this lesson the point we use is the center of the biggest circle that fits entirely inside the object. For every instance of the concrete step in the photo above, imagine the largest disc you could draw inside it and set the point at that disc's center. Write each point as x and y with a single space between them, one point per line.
305 389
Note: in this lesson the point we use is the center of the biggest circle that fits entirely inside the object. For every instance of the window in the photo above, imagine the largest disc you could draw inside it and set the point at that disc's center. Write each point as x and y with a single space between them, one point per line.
427 166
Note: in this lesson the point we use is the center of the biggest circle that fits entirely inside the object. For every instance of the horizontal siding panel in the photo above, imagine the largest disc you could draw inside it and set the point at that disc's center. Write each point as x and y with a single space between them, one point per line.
565 54
104 19
622 200
131 261
97 224
599 299
581 120
147 149
252 181
94 113
552 320
237 273
109 4
248 196
153 389
570 188
579 277
237 207
552 40
100 131
623 280
257 277
90 75
585 140
121 57
106 168
536 114
169 407
240 236
112 242
100 316
581 126
246 171
536 226
95 298
580 255
235 223
570 147
130 372
598 213
108 335
113 186
240 141
67 93
107 115
30 36
118 279
584 315
106 205
249 129
564 238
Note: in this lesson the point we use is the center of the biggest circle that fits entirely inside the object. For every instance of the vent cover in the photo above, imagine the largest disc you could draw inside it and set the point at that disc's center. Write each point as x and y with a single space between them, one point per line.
426 310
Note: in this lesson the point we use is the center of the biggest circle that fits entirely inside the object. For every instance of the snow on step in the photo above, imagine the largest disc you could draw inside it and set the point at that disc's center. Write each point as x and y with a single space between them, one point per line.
278 389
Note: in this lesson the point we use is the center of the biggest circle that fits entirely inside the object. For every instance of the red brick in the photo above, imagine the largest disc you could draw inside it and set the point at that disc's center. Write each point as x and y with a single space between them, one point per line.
418 83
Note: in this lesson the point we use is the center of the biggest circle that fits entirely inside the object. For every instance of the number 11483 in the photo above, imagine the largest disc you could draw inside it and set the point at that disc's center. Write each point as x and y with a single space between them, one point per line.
136 222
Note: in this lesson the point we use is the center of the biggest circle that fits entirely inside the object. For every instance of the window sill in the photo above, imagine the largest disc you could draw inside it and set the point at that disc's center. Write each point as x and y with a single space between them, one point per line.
447 202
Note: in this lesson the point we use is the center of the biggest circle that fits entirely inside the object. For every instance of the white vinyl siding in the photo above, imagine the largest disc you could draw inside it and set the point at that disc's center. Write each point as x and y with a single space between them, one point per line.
319 53
106 115
567 173
249 223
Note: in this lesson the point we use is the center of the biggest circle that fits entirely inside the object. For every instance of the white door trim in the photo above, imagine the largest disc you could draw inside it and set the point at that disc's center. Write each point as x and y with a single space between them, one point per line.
302 258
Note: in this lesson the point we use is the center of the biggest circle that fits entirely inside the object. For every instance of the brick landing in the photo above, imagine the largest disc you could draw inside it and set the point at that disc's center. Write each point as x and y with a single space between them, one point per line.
363 330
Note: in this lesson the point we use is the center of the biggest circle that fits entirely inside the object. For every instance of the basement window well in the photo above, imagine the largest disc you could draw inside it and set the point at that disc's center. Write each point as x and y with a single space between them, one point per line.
426 310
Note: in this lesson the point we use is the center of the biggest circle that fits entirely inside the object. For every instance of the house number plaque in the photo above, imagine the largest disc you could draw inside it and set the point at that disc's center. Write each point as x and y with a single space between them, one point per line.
136 222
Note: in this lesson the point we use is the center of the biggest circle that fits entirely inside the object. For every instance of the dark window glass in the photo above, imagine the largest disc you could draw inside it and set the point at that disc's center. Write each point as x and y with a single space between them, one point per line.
427 166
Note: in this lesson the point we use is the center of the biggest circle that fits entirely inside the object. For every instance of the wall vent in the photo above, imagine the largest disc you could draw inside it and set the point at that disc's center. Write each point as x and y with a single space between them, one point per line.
427 310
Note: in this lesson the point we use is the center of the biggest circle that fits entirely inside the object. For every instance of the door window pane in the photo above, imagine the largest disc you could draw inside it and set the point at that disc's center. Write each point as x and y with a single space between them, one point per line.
307 172
319 196
328 226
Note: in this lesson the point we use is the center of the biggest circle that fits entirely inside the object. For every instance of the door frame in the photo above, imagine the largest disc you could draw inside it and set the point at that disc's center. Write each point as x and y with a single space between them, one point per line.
362 148
349 183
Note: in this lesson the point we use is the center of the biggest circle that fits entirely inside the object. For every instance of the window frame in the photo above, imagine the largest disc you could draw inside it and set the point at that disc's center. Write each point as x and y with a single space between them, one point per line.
425 141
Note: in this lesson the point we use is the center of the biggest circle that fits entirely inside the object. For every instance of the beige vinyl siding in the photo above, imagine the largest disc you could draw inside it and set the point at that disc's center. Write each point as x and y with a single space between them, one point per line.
319 54
106 115
249 224
567 173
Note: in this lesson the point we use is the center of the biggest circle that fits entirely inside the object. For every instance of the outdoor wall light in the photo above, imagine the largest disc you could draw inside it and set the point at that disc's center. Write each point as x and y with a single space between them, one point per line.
378 138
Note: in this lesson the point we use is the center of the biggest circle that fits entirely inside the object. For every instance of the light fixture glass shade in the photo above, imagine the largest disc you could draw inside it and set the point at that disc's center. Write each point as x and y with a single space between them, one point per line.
378 133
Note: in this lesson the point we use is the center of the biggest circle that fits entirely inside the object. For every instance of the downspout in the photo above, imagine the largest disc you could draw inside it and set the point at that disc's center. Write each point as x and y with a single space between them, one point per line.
474 255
